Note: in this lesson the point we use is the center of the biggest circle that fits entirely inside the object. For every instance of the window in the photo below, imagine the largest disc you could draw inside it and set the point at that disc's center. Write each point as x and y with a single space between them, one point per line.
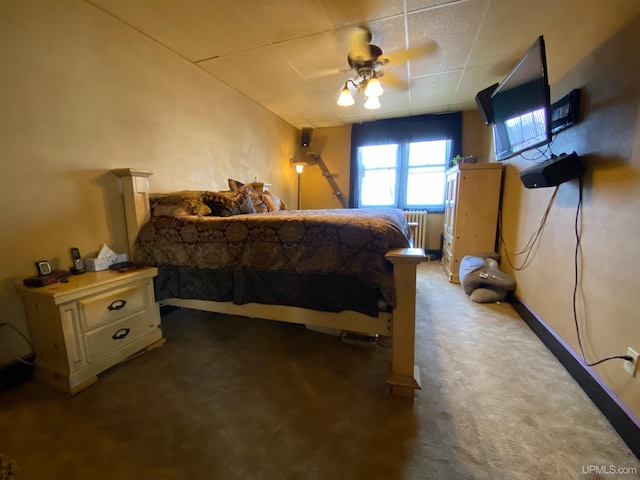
425 175
378 175
409 176
401 162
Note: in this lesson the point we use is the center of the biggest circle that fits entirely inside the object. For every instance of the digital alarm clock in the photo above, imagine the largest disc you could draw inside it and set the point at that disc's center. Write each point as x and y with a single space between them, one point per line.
43 267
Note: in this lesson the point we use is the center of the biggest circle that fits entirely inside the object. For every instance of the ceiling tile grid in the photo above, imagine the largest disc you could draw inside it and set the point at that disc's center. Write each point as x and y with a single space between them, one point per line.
291 55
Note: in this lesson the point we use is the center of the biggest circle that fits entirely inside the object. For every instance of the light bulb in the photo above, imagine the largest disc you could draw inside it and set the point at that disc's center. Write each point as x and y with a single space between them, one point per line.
374 89
299 168
345 99
372 103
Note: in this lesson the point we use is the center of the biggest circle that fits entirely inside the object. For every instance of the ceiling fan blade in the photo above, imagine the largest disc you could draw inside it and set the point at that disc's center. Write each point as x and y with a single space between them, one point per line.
393 80
404 55
328 72
359 48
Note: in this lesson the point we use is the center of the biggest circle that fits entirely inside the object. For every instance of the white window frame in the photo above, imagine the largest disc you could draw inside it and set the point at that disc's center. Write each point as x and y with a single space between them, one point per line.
402 170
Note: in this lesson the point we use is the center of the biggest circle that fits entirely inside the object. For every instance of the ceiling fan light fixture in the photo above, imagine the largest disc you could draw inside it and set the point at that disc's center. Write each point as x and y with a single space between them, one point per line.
374 89
346 99
372 103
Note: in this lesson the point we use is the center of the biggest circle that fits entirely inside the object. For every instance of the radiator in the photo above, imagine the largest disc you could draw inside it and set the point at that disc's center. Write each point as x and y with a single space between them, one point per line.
420 232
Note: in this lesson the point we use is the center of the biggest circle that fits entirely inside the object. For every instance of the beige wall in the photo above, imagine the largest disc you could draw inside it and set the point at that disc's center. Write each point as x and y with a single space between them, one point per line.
81 94
333 144
608 138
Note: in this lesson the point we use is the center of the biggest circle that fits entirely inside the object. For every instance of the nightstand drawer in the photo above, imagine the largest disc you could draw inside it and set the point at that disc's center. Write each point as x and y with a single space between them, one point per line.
111 306
107 339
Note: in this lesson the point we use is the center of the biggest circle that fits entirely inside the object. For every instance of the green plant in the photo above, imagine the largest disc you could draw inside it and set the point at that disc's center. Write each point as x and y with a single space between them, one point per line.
8 468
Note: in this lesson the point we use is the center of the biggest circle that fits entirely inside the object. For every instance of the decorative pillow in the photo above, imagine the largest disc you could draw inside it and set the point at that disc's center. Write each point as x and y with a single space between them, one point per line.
227 204
273 203
180 204
269 203
482 279
488 295
256 198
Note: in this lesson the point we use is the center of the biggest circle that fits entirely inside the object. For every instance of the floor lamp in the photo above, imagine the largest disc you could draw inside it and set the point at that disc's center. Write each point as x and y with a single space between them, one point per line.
299 168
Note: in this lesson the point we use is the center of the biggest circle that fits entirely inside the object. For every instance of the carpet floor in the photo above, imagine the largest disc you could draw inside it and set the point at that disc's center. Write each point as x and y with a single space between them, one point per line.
235 398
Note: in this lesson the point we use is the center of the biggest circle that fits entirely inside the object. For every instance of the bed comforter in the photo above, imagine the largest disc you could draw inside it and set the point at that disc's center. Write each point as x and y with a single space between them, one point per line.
348 244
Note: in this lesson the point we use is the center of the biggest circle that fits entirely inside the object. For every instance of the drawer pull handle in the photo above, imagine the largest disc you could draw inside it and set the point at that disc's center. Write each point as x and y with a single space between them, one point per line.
117 305
120 334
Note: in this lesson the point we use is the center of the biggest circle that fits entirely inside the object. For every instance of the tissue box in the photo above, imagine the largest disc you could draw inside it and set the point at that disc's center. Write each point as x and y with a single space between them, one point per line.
93 264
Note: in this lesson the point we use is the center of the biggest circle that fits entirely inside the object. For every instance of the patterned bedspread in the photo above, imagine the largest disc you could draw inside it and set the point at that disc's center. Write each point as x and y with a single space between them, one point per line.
345 242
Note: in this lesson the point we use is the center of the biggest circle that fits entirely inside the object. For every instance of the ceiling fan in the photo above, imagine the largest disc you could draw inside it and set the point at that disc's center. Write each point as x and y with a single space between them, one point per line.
367 60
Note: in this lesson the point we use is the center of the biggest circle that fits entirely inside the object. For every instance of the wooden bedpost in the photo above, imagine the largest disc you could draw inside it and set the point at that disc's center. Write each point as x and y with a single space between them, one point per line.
135 192
405 376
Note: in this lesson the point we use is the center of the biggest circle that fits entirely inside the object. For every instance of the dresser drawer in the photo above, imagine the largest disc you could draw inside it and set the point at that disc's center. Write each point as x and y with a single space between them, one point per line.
109 338
446 257
447 242
111 306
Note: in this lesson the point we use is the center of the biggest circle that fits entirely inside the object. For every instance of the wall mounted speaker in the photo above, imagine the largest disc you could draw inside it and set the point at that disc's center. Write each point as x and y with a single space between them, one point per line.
483 100
305 137
553 172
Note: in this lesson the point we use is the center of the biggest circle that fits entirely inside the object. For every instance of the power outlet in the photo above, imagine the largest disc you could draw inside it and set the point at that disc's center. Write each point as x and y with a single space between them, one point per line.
631 367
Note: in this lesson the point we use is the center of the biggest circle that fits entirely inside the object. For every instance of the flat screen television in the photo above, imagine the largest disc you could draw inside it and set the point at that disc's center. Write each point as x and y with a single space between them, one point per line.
521 106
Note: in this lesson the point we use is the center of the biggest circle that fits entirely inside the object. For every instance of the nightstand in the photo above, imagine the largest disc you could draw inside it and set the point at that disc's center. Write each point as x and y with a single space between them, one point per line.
92 322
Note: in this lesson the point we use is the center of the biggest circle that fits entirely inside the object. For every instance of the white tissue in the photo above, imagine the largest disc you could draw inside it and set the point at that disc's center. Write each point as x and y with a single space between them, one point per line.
106 252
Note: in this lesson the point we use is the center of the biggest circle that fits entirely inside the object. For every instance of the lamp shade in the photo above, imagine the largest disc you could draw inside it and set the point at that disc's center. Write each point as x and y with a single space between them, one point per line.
374 89
345 99
372 103
299 167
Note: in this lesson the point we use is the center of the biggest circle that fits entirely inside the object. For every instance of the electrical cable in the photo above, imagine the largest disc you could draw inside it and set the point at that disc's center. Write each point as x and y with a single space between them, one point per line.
576 276
542 152
2 324
533 239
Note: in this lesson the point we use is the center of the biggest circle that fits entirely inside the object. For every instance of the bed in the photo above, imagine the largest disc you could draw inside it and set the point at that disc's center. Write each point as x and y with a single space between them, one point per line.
347 269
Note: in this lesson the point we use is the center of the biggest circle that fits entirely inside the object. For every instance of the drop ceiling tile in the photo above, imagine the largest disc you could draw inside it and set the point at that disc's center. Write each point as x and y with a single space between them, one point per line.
315 56
197 29
282 20
475 79
282 108
313 107
394 101
261 74
390 35
342 13
453 28
321 103
433 90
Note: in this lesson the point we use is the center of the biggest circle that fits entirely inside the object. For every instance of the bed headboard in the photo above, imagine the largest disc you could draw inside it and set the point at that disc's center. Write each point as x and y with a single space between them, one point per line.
135 192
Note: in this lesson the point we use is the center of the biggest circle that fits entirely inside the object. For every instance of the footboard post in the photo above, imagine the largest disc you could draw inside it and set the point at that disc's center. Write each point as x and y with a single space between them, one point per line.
405 376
